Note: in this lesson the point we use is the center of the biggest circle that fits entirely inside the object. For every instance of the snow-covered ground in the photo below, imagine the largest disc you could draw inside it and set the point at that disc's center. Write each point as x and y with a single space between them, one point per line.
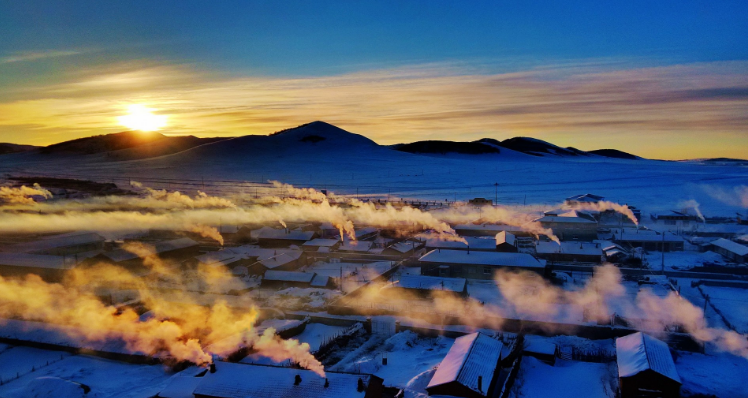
566 379
110 379
721 375
682 260
732 302
315 334
348 164
411 360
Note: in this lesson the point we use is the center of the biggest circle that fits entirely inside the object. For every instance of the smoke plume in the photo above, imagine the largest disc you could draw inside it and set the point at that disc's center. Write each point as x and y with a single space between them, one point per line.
23 194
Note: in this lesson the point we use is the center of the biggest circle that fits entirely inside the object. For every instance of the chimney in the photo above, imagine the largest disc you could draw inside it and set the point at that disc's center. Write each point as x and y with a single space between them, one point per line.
360 386
212 368
480 383
468 249
327 382
297 380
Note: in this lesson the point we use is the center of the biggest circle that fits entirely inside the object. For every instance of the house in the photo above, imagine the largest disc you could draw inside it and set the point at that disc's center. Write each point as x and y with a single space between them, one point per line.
470 368
578 252
316 244
426 285
62 244
272 237
259 260
286 279
403 248
49 268
473 243
649 240
488 229
680 219
506 242
227 257
476 265
357 246
540 348
238 380
480 202
570 224
583 199
176 249
730 250
646 367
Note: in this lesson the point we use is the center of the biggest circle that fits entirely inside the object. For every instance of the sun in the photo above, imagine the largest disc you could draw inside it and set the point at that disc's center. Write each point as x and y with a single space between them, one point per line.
140 117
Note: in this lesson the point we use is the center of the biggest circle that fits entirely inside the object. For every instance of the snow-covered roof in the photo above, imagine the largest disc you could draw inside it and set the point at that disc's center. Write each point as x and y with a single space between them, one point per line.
36 260
422 282
471 356
586 198
320 242
403 247
355 246
730 246
180 387
498 259
638 352
488 227
288 276
472 242
505 237
578 248
225 257
119 255
58 241
539 346
647 237
570 216
237 380
320 280
281 259
273 233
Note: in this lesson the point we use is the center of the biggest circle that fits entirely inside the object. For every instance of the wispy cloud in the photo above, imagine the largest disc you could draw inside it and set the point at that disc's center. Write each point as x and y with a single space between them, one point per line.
35 55
589 106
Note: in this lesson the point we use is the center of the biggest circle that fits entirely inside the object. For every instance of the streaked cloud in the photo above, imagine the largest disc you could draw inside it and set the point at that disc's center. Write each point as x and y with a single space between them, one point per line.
678 111
36 55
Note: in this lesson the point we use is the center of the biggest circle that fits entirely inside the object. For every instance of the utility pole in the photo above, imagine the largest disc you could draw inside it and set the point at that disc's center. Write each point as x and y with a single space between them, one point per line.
706 301
663 252
496 202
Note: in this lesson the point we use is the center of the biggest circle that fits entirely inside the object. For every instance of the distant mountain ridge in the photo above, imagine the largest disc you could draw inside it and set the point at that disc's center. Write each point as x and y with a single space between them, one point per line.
526 145
130 145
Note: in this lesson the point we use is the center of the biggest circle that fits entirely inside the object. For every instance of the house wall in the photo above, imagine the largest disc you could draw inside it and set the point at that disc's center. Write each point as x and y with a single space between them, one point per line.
573 231
648 380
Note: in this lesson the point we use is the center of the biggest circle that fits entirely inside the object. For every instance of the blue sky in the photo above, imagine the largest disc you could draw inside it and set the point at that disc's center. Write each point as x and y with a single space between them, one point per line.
46 44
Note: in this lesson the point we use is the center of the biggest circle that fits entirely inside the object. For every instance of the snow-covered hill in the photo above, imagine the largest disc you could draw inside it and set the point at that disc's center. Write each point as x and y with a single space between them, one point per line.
324 156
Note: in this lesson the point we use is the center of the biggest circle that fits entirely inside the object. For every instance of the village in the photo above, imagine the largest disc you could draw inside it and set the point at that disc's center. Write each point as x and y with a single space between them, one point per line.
414 315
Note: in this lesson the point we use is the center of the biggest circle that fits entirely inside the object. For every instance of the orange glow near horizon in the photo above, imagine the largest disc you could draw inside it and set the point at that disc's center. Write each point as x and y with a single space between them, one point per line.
141 118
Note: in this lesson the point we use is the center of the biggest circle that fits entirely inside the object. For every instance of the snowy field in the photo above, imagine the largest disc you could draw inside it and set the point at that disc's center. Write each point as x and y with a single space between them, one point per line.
566 379
732 302
682 260
110 379
315 334
411 360
348 164
722 375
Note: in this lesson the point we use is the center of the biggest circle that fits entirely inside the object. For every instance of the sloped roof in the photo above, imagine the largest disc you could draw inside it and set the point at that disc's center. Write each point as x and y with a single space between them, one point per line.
321 242
577 248
36 260
58 241
422 282
472 242
638 352
320 280
730 246
272 233
505 237
497 259
471 356
356 246
160 247
236 380
588 198
288 276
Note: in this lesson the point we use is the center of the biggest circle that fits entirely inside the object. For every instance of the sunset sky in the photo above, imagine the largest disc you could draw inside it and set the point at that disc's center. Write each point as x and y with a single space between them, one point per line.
661 79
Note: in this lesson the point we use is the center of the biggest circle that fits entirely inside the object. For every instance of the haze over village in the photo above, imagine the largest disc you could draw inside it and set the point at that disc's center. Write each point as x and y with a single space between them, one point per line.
374 199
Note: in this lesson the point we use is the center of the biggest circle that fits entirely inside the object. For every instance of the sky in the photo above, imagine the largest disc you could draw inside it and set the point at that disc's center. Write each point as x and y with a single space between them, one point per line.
665 79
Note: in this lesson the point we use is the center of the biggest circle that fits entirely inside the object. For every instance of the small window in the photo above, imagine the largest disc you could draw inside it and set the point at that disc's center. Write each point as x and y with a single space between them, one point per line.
486 270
